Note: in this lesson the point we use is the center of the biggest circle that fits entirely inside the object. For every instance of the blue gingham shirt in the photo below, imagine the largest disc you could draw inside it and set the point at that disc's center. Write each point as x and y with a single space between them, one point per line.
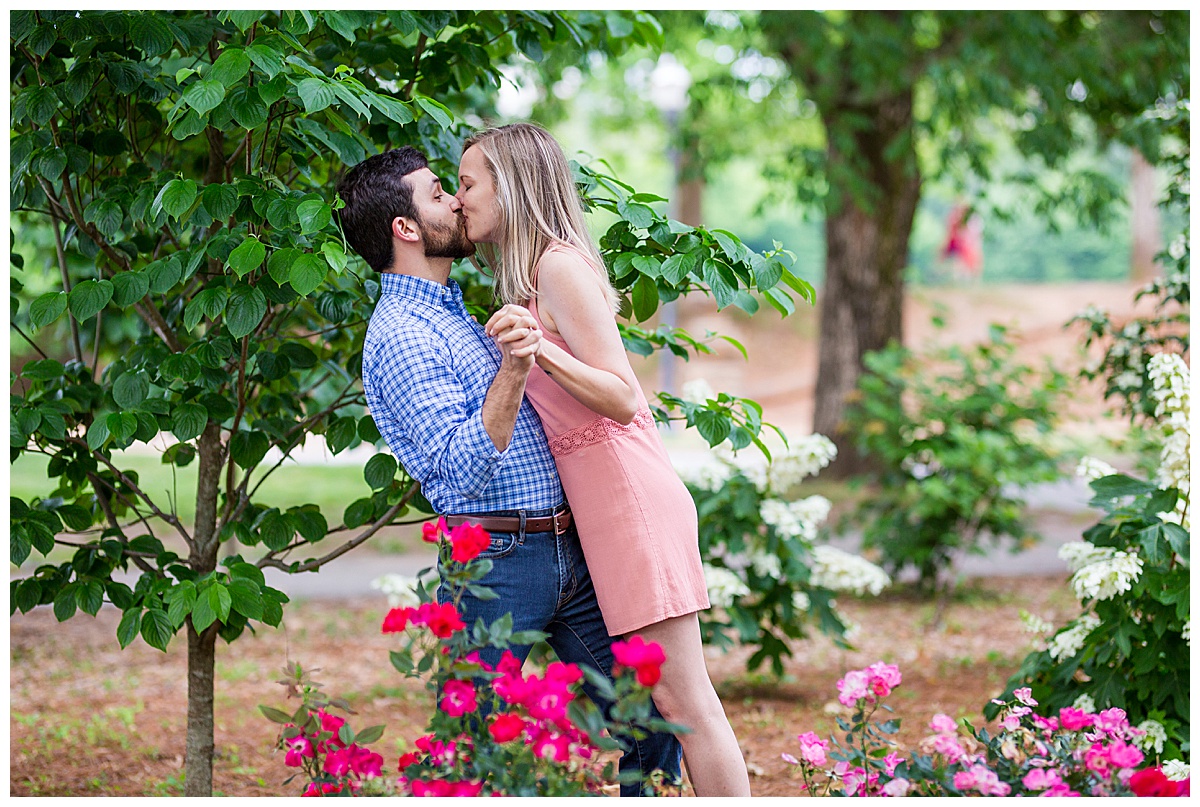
427 367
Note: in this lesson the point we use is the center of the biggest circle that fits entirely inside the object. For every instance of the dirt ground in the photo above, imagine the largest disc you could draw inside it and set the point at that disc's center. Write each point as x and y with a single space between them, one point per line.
87 718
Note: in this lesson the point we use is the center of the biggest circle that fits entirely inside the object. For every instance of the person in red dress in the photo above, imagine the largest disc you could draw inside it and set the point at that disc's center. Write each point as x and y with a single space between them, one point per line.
636 519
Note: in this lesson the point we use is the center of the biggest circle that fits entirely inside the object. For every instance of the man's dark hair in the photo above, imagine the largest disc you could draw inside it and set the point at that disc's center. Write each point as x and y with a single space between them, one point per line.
376 191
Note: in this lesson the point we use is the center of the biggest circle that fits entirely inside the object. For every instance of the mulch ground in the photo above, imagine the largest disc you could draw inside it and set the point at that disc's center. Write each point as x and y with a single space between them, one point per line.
87 718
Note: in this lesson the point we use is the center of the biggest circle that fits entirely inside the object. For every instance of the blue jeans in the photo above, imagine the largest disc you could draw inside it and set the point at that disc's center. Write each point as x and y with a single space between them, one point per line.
543 580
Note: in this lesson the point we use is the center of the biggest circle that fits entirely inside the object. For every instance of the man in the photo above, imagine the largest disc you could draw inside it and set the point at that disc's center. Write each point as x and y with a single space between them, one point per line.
450 403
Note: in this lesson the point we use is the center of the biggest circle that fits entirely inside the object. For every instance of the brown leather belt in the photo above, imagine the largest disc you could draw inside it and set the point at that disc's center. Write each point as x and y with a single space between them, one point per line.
557 523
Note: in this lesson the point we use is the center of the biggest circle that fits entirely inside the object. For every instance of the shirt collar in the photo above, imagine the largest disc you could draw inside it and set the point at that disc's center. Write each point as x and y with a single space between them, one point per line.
419 289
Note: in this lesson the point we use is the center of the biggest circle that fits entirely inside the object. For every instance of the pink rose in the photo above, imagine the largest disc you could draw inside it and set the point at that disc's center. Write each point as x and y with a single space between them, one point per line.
1025 696
896 787
943 724
1123 755
812 748
645 657
506 727
298 749
1074 719
1041 778
890 762
458 698
853 687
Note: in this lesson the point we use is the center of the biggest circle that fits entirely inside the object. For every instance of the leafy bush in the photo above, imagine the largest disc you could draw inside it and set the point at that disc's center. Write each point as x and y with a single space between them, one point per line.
954 434
1078 752
495 731
1130 648
768 579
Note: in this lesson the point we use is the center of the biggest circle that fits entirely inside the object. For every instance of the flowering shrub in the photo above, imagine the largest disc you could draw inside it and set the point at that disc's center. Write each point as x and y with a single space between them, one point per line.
767 579
495 731
1078 752
954 434
1130 646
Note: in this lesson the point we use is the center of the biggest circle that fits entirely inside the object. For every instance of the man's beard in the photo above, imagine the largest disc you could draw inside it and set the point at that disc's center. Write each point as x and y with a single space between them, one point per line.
447 242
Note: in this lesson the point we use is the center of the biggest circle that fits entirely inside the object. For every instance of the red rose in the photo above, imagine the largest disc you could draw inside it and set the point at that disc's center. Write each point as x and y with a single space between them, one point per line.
645 657
397 619
468 540
432 532
443 620
1152 782
405 760
506 727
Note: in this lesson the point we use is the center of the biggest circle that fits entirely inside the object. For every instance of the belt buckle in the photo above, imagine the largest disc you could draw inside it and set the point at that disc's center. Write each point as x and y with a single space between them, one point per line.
554 519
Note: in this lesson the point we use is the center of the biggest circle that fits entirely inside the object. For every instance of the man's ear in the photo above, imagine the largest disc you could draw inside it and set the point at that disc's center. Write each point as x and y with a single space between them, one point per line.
405 229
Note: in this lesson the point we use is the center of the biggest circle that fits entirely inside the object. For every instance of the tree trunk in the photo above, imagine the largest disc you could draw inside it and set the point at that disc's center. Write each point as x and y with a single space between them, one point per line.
1144 220
874 189
202 646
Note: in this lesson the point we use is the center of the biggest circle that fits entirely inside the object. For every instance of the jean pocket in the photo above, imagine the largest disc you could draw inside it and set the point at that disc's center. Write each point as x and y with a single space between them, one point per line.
502 544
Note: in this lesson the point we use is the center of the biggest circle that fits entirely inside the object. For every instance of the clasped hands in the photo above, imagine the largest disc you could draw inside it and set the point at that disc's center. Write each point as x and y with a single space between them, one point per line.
517 334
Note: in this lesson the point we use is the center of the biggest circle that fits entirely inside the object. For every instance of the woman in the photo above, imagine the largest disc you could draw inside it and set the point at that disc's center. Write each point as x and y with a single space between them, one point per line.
636 520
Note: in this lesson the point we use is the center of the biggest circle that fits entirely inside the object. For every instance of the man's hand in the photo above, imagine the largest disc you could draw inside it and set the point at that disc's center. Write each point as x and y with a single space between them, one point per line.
517 335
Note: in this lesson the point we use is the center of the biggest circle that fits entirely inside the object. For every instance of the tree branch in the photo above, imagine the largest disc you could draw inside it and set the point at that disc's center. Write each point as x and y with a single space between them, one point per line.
312 565
66 279
32 344
408 88
102 498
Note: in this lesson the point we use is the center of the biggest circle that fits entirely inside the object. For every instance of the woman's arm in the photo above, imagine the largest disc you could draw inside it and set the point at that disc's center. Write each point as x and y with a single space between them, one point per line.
571 301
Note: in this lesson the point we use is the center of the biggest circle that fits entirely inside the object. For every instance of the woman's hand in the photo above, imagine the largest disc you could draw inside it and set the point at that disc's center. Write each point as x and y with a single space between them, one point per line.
517 334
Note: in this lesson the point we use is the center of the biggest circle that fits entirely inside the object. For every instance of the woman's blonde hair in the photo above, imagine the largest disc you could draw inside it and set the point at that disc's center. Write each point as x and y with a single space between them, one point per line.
538 206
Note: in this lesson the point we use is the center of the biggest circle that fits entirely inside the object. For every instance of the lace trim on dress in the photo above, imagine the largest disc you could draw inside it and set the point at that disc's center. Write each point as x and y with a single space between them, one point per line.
598 431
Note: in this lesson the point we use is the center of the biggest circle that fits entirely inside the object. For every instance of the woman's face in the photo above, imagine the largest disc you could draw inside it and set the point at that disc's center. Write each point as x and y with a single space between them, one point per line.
477 195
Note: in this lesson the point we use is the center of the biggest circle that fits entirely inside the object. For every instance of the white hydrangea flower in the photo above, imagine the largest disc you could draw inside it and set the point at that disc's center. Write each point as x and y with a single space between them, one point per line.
1186 633
1128 380
1078 554
804 457
840 571
1106 579
1069 641
697 391
724 587
766 564
1032 623
1154 738
1172 392
707 474
796 519
1177 770
401 590
1091 468
800 601
1085 703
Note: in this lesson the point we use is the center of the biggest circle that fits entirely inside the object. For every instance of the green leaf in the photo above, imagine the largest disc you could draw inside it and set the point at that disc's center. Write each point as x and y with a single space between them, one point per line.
41 103
439 113
392 107
179 367
131 623
645 298
245 598
730 245
307 273
129 287
647 265
275 531
367 430
203 613
380 470
230 67
122 425
106 214
220 601
635 213
315 93
335 256
131 388
248 107
97 434
246 307
265 58
150 34
1117 485
28 593
340 23
275 715
204 96
369 735
47 308
767 274
208 303
182 599
188 421
90 596
89 298
175 197
713 426
341 434
358 513
190 125
51 163
156 628
164 274
248 448
247 256
220 200
1154 543
314 216
309 522
244 19
43 370
64 603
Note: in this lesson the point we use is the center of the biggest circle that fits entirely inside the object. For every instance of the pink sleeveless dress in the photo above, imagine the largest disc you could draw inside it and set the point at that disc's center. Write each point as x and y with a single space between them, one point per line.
636 520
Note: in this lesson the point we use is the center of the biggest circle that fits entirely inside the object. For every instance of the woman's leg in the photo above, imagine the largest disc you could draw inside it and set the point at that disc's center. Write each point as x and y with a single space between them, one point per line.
685 696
